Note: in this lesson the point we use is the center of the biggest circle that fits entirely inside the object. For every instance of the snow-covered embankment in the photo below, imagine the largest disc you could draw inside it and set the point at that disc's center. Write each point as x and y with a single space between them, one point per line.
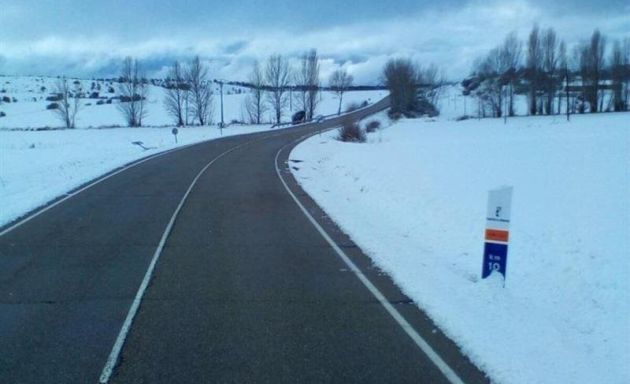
414 198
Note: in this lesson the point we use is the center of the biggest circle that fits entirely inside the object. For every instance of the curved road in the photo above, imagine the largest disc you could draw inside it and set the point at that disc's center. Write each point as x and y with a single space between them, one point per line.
238 286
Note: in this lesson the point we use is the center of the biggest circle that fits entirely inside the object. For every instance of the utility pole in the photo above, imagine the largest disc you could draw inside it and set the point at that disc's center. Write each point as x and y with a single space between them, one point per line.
464 105
566 78
221 82
222 122
505 104
186 96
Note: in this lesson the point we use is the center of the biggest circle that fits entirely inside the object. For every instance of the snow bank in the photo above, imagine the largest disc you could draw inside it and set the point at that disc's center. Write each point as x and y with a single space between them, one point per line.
414 199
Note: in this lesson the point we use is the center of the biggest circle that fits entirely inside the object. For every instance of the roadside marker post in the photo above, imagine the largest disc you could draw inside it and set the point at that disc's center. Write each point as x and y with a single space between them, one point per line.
175 131
497 233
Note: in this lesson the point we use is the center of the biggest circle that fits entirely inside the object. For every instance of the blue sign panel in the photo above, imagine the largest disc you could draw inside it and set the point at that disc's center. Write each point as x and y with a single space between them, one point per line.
494 259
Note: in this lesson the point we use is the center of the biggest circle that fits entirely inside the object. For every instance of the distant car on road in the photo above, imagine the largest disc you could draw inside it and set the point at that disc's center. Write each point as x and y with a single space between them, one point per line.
319 118
298 117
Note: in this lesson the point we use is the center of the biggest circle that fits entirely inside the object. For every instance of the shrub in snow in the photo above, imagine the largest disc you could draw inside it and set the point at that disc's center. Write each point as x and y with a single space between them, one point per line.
55 97
2 114
425 107
129 99
372 126
350 131
52 106
352 106
6 99
394 115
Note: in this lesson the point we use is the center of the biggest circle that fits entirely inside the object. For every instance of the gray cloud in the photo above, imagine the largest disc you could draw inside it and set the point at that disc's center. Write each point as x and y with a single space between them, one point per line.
89 38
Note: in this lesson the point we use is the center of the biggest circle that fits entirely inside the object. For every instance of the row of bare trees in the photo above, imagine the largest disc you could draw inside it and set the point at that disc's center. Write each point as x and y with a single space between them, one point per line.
133 92
273 84
272 87
545 72
188 96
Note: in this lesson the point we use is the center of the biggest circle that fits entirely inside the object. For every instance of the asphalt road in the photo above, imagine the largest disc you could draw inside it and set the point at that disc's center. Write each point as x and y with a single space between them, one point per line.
245 289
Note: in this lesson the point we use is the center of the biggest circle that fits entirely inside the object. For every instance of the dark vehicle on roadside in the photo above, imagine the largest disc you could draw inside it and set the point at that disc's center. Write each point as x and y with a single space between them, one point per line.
298 117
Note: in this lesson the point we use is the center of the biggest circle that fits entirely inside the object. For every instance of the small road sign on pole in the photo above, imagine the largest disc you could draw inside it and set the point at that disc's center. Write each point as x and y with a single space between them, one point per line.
497 231
175 131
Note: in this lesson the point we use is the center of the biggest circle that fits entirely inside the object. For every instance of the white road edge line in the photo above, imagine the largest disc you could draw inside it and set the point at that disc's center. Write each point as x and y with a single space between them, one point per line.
90 185
114 355
402 322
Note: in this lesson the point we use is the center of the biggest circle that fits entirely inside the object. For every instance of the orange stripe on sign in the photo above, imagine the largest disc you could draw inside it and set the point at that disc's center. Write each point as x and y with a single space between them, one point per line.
497 235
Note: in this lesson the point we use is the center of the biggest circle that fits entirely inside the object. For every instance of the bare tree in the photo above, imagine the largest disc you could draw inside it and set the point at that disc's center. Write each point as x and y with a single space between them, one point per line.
67 109
591 67
401 78
254 103
565 73
431 79
626 72
511 52
188 116
300 79
495 77
549 42
617 69
312 83
491 82
277 75
339 82
200 91
175 96
534 64
133 93
307 82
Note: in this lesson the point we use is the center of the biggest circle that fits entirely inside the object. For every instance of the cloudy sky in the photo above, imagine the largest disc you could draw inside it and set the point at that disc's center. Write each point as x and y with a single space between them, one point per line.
88 38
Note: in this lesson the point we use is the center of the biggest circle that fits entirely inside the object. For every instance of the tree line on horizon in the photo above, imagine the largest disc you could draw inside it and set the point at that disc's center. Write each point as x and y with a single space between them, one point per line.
590 78
272 86
188 91
543 69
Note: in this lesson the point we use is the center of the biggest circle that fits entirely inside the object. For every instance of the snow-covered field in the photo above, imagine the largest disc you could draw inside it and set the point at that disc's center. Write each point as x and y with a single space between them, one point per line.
29 108
38 166
414 198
